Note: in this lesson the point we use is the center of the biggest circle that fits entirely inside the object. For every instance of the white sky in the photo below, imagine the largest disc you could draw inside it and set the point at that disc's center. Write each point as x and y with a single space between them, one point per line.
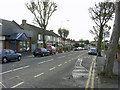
71 14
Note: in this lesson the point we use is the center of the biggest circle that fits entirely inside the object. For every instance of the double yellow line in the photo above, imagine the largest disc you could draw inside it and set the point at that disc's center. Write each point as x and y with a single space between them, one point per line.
91 75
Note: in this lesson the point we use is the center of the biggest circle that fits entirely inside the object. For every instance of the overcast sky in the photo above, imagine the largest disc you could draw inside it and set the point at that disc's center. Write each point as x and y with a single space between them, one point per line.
71 14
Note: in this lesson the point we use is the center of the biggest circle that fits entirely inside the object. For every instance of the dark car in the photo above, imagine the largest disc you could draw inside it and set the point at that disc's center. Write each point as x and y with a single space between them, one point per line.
51 49
92 51
7 55
41 52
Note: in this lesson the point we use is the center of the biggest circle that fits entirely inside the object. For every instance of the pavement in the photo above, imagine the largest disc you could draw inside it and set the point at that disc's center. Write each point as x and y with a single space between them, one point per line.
108 83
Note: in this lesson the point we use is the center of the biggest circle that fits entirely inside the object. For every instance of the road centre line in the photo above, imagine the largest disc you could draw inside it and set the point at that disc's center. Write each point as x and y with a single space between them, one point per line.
17 85
69 60
14 70
52 68
60 65
46 61
38 75
65 62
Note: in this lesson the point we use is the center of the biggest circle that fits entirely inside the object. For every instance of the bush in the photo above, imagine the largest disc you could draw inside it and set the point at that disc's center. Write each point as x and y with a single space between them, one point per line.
118 49
102 47
82 45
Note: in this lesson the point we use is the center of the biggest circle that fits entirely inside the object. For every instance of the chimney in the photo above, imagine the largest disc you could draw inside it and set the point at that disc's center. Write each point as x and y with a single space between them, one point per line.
23 21
51 30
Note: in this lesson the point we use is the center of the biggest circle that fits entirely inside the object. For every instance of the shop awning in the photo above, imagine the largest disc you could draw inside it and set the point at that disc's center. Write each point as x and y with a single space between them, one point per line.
18 37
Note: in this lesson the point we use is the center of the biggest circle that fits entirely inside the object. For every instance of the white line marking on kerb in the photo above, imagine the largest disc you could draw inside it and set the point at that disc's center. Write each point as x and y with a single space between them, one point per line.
14 70
81 62
46 61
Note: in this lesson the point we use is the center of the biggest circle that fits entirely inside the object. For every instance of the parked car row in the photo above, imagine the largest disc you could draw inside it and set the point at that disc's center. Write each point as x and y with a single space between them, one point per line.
79 48
7 55
50 50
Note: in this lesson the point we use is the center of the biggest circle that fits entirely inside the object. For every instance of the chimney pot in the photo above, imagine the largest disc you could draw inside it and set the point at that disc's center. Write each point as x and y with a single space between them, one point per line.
23 21
51 30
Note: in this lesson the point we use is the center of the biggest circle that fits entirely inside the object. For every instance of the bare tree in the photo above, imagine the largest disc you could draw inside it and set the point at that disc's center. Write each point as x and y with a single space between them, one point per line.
101 14
111 53
42 11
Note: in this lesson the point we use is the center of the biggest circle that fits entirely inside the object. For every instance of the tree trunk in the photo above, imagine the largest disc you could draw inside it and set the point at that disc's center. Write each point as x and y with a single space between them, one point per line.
44 44
100 41
111 53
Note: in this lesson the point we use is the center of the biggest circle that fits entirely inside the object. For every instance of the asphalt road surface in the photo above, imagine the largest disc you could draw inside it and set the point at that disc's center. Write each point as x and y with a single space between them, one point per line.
75 69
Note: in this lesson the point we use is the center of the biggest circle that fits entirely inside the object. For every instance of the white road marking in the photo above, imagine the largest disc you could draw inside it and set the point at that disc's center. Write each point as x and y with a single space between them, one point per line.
69 60
46 61
14 70
3 85
81 62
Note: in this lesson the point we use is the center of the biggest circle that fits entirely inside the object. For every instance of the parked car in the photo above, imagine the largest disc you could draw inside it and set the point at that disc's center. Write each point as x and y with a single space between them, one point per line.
80 48
85 48
51 49
92 51
41 52
76 49
8 54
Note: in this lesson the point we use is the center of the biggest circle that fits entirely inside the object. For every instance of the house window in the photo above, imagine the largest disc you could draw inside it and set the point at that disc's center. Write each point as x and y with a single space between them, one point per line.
39 37
22 46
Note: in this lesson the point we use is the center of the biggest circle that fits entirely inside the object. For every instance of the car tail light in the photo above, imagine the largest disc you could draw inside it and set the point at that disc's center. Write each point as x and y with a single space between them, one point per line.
0 55
40 50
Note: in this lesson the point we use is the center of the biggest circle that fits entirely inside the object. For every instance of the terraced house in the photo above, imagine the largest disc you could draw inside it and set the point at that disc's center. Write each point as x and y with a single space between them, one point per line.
37 41
12 36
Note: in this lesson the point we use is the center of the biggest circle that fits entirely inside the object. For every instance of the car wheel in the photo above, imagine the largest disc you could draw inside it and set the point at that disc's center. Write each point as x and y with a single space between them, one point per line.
35 55
4 60
19 58
43 55
48 54
52 53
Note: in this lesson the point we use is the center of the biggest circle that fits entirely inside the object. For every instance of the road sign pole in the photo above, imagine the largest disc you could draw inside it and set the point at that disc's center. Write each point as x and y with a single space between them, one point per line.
104 41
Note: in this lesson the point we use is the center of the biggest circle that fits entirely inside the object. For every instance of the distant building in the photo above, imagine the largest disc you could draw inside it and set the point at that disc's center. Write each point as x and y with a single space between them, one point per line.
12 36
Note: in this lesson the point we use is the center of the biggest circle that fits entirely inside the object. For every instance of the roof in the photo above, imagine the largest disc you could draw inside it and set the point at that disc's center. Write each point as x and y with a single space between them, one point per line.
19 37
10 27
40 30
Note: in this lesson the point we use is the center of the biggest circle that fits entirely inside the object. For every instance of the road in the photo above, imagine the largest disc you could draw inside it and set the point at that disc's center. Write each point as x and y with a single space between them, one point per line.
63 70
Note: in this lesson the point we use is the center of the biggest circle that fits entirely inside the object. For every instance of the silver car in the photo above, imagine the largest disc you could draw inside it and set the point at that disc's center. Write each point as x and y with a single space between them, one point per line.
92 51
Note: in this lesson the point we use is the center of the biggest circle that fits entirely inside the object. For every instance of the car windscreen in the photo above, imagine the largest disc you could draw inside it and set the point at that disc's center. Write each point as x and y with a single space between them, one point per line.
37 49
43 49
93 50
48 48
